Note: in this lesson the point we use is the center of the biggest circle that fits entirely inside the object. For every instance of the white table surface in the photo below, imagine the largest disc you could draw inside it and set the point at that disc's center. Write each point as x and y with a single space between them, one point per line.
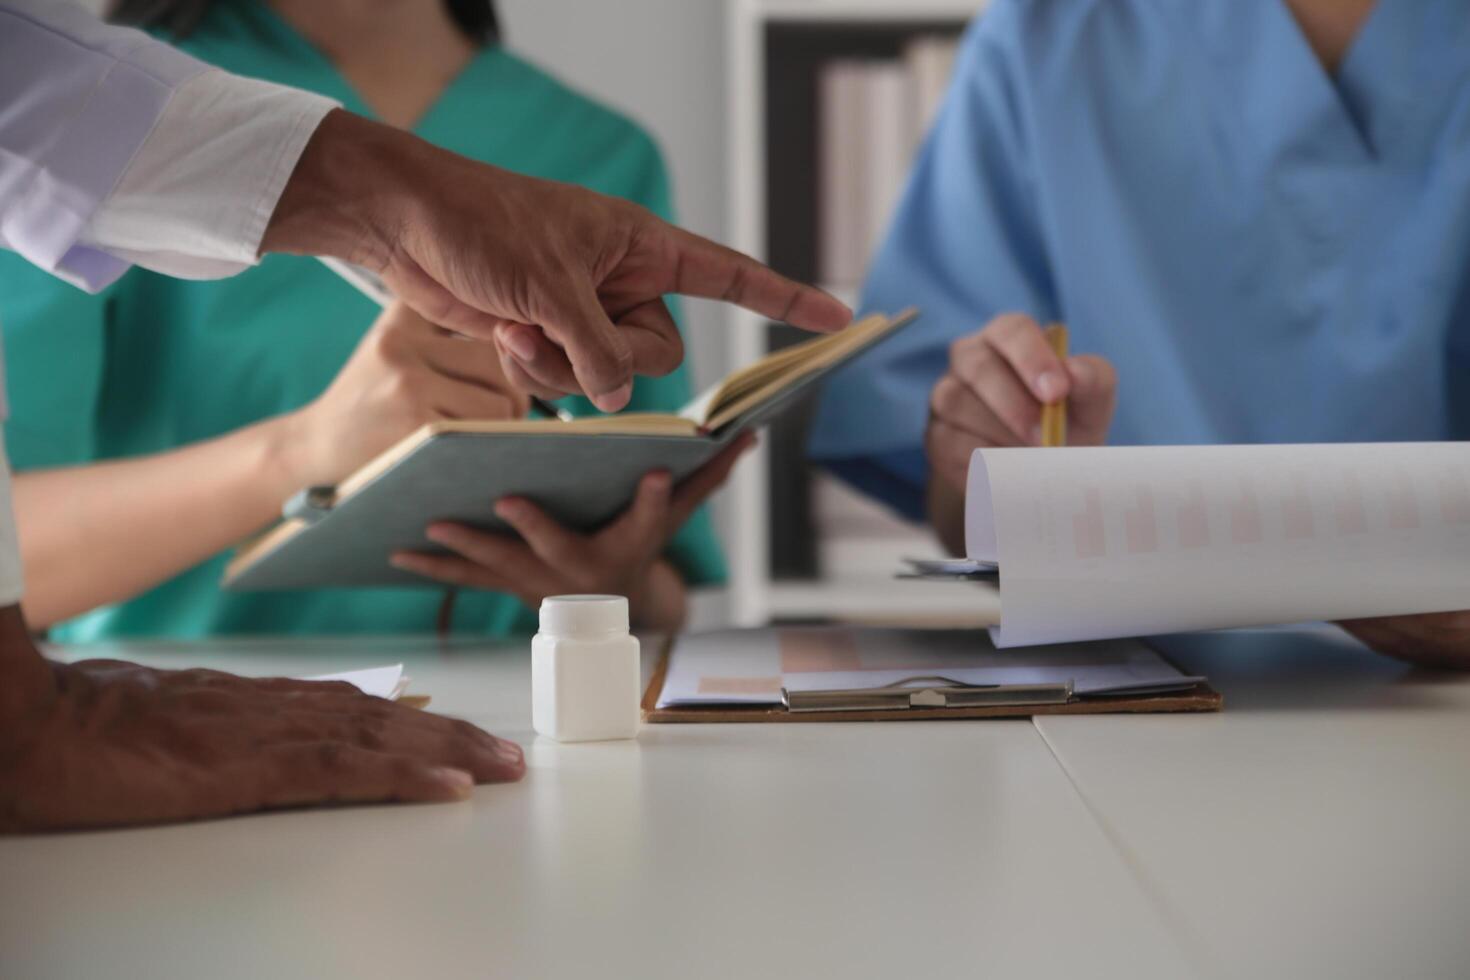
696 851
1317 827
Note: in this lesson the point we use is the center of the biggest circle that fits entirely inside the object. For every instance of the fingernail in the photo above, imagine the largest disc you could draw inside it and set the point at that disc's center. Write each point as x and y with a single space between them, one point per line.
400 561
437 533
1050 386
836 315
509 753
519 344
661 480
614 400
457 781
507 508
1081 372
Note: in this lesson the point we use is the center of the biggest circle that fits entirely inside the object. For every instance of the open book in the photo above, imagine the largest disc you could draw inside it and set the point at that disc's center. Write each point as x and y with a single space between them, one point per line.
584 471
1090 543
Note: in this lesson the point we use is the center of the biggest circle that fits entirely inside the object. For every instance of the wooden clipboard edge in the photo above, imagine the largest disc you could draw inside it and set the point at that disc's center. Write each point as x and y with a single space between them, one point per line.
656 679
1201 697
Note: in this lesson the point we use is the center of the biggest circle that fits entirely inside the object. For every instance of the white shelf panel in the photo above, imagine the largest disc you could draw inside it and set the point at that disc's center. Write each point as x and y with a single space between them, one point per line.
751 597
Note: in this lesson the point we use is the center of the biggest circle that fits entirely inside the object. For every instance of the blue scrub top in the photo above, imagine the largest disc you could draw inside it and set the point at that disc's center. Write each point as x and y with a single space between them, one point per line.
1267 253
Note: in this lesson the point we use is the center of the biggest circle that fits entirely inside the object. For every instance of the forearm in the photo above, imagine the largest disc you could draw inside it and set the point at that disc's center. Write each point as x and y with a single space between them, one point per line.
103 533
947 514
27 685
662 603
348 194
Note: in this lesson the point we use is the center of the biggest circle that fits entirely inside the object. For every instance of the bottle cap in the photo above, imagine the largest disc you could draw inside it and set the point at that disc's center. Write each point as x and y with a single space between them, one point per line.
573 615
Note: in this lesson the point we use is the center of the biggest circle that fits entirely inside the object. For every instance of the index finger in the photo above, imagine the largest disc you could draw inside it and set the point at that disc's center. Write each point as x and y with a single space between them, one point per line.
547 538
705 269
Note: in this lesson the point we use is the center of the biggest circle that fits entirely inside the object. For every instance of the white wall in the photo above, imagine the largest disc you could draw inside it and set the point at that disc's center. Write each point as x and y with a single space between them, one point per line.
661 62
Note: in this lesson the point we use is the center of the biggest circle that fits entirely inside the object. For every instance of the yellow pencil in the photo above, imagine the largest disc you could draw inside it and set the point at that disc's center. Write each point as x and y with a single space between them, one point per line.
1054 416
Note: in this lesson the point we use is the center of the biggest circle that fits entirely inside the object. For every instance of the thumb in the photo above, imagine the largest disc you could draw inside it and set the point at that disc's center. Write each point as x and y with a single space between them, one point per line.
1093 397
642 523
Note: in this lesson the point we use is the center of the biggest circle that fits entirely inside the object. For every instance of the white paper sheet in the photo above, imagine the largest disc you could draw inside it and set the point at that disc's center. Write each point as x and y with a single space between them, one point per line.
381 682
751 666
1129 541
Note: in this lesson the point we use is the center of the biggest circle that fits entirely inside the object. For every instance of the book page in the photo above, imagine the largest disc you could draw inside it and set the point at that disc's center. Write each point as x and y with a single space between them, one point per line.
1129 541
751 385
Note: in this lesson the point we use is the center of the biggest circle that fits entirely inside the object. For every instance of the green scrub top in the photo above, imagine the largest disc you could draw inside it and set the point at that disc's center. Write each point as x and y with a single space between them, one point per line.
152 363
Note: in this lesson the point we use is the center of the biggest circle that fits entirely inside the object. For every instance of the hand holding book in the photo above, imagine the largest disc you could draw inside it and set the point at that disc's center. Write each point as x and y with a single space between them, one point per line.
545 558
404 374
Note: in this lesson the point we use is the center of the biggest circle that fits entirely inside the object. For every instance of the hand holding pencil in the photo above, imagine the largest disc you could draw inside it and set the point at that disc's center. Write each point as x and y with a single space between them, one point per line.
1012 384
1054 413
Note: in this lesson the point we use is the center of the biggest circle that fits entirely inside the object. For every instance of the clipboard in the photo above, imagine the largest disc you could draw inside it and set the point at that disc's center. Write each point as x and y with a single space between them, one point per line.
921 702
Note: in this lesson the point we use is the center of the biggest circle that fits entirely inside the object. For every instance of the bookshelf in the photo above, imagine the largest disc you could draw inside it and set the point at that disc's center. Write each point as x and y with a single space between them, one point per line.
779 568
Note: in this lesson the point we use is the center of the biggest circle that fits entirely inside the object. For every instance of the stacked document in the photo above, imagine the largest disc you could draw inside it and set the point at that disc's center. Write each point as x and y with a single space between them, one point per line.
381 682
388 682
769 666
1090 543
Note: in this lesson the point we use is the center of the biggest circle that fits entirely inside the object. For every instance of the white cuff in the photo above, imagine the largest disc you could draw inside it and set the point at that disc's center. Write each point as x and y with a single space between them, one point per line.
79 100
196 199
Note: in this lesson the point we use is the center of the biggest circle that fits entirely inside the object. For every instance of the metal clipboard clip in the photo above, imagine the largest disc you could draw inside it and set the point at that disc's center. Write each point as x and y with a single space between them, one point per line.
926 692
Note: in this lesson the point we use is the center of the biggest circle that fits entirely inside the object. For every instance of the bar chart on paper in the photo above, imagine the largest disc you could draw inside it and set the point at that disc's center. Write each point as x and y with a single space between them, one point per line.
1123 541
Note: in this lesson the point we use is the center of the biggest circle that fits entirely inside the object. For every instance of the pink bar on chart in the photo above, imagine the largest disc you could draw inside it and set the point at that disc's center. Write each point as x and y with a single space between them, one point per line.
1296 511
1088 540
814 651
1194 518
740 685
1140 524
1454 495
1348 505
1245 515
1402 505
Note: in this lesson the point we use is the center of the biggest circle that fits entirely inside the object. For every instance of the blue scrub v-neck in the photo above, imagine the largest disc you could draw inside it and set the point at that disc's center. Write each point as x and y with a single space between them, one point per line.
1266 252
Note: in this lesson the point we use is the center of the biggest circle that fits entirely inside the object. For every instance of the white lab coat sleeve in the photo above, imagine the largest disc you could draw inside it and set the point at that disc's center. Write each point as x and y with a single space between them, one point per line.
116 148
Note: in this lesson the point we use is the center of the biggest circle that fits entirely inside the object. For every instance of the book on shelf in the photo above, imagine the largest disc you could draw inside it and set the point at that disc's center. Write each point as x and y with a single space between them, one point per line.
872 115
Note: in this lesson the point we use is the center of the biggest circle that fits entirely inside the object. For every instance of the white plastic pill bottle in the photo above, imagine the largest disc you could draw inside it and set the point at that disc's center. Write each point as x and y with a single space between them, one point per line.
584 670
